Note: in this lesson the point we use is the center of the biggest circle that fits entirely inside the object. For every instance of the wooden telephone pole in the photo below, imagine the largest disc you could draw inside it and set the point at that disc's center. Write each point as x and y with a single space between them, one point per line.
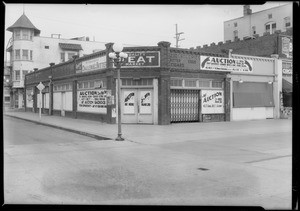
177 36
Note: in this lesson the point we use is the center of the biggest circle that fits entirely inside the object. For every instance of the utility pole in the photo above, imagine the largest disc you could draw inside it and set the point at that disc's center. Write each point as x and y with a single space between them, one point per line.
177 36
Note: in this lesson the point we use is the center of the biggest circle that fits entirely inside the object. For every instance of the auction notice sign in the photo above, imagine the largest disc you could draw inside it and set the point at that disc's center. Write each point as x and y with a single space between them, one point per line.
225 64
212 101
93 101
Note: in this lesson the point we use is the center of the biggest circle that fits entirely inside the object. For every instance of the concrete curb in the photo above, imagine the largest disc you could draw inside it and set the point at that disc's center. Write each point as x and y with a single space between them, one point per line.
91 135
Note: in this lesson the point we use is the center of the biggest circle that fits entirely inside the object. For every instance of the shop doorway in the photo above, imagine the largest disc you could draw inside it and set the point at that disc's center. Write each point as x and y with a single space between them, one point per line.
137 106
185 105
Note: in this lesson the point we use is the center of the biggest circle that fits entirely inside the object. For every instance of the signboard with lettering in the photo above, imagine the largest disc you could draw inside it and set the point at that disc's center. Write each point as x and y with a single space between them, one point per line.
184 61
129 103
142 59
92 64
145 102
93 101
287 46
287 68
212 101
225 64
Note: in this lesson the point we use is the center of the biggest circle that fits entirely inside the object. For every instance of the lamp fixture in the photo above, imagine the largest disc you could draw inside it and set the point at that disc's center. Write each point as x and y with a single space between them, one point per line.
270 82
241 81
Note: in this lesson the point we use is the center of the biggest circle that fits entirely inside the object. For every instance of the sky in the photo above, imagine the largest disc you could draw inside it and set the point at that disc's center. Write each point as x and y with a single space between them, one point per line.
131 25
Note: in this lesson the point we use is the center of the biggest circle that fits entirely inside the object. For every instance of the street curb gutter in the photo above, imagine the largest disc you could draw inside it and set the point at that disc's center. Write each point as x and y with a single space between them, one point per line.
63 128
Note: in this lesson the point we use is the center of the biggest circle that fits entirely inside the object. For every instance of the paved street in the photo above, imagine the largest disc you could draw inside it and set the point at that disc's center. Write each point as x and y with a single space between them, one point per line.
224 163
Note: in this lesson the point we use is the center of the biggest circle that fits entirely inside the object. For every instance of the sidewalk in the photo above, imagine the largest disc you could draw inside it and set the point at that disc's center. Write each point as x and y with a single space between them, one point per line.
156 134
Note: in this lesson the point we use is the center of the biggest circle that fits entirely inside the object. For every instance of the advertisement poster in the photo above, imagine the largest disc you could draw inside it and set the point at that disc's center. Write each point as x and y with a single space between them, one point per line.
184 61
145 102
92 64
287 47
93 101
212 101
129 102
225 64
142 59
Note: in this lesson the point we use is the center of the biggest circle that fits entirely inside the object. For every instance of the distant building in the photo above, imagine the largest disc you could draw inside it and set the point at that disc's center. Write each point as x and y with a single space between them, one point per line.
27 50
258 23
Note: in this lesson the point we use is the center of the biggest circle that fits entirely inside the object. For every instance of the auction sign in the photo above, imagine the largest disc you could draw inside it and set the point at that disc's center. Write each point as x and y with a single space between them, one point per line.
93 101
142 59
225 64
212 101
92 64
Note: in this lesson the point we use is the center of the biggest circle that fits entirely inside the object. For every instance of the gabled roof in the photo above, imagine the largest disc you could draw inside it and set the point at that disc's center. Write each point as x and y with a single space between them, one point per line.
70 46
24 22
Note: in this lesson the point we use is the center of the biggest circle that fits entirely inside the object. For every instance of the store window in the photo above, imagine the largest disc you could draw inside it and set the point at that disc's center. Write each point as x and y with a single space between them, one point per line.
204 83
25 55
17 75
137 82
217 84
252 94
190 83
95 84
17 54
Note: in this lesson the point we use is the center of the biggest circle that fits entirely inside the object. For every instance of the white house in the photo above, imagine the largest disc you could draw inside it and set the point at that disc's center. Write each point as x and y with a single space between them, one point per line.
258 23
28 50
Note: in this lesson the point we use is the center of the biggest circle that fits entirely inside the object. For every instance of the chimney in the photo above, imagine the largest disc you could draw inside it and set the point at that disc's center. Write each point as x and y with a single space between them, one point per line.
247 10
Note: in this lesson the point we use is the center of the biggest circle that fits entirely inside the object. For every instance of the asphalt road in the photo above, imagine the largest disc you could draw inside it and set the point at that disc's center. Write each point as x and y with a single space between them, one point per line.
43 165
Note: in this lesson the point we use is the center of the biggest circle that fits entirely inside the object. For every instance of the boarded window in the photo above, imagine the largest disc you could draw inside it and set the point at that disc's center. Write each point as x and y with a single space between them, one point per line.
252 94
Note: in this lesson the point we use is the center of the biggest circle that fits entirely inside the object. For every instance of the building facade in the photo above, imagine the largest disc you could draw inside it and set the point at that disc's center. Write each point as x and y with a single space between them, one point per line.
278 45
258 23
27 50
159 85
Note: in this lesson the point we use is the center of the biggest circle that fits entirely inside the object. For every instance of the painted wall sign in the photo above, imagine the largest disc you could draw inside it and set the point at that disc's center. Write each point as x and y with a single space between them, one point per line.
145 102
92 64
129 103
184 61
92 101
212 101
287 46
287 68
142 59
225 64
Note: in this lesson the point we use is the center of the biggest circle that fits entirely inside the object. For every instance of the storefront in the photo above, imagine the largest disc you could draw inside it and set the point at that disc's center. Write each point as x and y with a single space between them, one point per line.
254 88
159 85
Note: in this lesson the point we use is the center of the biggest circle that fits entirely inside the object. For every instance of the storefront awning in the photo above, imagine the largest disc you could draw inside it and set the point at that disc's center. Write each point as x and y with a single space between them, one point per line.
287 84
70 46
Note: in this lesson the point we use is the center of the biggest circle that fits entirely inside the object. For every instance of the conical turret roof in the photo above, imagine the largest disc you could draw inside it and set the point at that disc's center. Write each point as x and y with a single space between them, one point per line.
24 22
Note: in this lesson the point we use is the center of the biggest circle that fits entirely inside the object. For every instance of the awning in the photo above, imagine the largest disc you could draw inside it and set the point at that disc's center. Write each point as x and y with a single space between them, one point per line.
70 46
287 84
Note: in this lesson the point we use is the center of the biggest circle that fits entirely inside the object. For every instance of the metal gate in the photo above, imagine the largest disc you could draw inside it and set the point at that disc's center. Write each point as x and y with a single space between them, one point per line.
184 105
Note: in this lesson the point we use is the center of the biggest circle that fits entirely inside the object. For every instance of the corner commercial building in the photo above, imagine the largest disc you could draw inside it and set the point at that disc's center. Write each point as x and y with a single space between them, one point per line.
159 85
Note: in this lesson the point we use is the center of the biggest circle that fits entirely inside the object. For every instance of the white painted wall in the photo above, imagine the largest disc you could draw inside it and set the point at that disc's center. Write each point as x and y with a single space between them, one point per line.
46 100
69 101
254 113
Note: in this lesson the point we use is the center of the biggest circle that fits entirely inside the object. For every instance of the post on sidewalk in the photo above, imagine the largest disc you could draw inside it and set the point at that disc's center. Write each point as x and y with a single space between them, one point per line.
40 87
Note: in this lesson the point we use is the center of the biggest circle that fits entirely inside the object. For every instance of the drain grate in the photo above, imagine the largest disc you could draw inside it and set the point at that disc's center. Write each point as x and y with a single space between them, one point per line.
203 169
